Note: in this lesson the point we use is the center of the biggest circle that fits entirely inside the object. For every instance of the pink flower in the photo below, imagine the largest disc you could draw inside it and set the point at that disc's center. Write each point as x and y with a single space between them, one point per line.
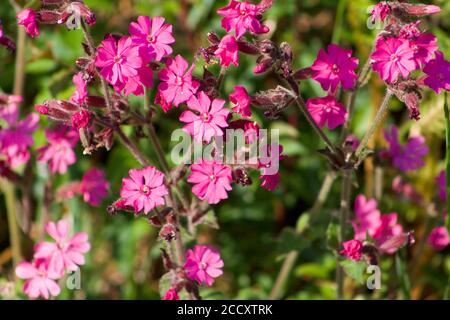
241 101
144 190
81 119
393 57
250 128
66 253
333 67
388 229
177 85
27 18
59 152
327 111
405 157
242 17
153 33
208 120
40 279
123 64
442 185
268 163
80 95
17 137
94 186
211 180
424 45
438 73
352 249
380 11
367 217
171 294
227 51
203 264
439 238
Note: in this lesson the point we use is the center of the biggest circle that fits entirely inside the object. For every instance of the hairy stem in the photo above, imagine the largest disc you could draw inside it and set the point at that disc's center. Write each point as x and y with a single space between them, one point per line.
289 262
377 121
447 159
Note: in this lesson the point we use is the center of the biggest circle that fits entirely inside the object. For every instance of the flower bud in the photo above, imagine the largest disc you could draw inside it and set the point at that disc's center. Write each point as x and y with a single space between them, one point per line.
247 47
213 38
167 232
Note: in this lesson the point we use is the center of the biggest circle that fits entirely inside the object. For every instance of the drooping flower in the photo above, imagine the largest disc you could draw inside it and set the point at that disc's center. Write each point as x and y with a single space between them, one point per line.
171 294
94 187
334 67
439 238
80 94
6 41
392 57
380 11
59 151
66 253
388 229
208 117
123 64
408 156
40 279
228 51
268 163
27 18
211 180
241 101
243 17
352 249
441 182
17 137
438 73
153 33
203 264
144 189
177 85
327 111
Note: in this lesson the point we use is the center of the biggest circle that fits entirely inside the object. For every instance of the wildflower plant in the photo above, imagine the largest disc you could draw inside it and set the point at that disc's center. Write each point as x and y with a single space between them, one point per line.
125 83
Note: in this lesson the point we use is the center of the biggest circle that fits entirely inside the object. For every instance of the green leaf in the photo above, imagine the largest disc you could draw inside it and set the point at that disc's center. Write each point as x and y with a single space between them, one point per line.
303 222
165 283
333 236
41 66
290 241
354 269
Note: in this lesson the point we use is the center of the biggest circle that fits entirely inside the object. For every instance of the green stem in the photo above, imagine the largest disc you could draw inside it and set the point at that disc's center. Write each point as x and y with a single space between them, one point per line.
402 276
339 21
278 289
13 226
447 158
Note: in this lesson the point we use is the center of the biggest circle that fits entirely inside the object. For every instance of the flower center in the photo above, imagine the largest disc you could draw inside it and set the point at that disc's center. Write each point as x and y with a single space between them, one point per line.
203 265
180 80
335 68
327 109
394 58
118 59
151 39
206 117
145 190
212 177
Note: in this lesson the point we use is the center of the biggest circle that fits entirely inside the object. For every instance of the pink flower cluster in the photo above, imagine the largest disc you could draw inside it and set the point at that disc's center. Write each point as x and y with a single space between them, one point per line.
382 228
52 260
408 156
124 61
16 137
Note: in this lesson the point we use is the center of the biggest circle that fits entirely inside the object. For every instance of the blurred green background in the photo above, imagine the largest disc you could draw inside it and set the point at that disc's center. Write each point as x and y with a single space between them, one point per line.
257 228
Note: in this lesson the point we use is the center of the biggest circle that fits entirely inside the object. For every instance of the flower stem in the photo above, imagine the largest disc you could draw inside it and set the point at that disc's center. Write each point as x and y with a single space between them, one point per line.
447 158
289 262
377 121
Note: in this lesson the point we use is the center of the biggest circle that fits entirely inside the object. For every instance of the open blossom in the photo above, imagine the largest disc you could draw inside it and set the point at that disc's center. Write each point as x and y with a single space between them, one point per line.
438 73
380 11
59 151
144 189
439 238
211 180
208 117
242 17
80 94
228 51
27 18
392 57
40 279
203 264
17 137
171 294
407 156
66 253
423 44
352 249
383 228
327 111
177 85
336 65
123 64
241 101
153 33
94 187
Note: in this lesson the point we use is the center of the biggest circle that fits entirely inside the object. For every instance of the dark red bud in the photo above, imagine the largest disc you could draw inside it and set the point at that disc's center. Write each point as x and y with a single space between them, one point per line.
248 48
